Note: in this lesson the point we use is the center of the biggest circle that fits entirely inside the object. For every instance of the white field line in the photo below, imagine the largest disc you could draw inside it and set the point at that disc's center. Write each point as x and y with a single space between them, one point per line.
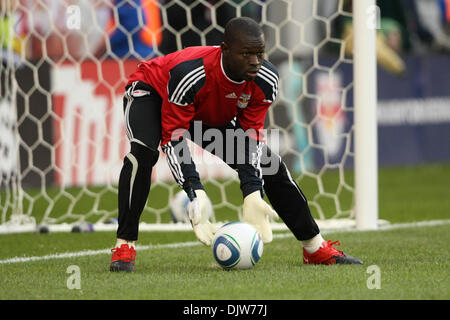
96 252
196 243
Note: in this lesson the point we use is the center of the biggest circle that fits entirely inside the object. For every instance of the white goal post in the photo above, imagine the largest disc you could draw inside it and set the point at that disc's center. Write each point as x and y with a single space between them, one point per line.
365 15
62 137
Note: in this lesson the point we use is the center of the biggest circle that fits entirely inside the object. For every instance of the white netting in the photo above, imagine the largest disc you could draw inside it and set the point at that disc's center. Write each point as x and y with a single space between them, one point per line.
64 66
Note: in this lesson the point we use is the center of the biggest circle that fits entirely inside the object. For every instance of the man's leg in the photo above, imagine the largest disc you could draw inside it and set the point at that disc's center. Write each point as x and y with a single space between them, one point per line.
134 187
143 126
292 206
286 197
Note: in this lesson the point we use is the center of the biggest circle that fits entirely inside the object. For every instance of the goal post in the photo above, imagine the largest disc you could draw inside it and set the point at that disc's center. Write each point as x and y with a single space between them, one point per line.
62 136
365 15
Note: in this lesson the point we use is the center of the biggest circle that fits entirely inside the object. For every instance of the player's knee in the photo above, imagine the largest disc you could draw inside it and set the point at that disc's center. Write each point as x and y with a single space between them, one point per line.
144 156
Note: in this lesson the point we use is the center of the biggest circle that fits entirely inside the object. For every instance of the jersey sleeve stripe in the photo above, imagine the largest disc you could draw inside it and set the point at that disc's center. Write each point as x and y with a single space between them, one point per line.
185 84
270 73
271 78
257 165
180 98
184 79
174 165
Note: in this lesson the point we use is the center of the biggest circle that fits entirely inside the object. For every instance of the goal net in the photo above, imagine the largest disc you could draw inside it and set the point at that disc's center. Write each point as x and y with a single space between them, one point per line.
62 137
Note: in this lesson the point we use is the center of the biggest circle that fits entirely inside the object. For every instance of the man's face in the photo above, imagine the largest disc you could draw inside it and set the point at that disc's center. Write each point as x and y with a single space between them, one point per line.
243 58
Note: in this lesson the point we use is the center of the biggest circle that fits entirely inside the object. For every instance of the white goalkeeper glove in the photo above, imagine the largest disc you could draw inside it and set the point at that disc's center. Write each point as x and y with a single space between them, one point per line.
258 213
198 210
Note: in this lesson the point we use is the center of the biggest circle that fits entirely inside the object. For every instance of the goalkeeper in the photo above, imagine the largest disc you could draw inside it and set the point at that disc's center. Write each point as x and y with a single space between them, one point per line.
226 88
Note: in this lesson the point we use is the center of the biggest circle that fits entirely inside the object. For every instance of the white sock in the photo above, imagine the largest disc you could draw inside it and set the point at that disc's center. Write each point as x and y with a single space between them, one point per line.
122 241
313 244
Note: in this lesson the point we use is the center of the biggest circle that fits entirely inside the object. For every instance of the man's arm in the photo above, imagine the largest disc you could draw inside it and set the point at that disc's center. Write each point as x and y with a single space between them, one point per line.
255 210
178 110
184 171
181 164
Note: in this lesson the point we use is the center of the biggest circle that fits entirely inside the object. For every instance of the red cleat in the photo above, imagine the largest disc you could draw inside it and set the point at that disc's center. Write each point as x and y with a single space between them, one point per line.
123 258
328 254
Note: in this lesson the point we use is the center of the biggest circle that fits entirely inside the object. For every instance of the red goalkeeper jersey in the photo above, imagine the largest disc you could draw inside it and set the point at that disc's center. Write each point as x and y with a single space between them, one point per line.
193 86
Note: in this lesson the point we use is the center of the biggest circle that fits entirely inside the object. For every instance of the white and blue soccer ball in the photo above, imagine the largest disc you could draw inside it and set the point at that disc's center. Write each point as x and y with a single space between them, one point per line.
237 245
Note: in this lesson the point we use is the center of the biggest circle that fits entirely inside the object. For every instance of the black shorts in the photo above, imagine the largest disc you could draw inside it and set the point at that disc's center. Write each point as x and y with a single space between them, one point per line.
142 112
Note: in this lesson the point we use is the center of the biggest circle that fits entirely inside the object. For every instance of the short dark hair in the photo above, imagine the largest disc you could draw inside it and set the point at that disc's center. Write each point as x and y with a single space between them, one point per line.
241 25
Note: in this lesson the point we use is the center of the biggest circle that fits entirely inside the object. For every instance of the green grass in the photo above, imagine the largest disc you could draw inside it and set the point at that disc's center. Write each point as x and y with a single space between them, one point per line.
413 262
415 193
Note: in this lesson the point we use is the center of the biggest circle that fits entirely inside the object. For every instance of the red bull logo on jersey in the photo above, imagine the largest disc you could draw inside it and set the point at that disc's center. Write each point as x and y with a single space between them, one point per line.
243 100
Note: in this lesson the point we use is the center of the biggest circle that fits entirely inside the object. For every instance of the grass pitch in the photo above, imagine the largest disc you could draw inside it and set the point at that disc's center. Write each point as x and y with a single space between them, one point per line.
410 263
413 263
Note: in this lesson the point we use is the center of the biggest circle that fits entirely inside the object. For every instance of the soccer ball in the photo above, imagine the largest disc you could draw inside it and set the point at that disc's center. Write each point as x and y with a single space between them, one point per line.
178 208
237 245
